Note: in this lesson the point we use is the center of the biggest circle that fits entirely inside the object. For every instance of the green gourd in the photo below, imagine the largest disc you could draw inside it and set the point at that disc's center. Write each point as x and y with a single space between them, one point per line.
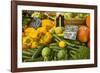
46 53
61 55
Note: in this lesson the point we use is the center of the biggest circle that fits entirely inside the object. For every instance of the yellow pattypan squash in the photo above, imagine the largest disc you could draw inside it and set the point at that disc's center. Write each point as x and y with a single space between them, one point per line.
61 35
46 38
29 30
58 30
62 44
24 46
27 40
48 24
42 30
34 35
34 44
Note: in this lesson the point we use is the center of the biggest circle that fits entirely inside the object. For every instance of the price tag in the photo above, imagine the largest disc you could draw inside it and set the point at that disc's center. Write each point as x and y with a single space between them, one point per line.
70 32
70 35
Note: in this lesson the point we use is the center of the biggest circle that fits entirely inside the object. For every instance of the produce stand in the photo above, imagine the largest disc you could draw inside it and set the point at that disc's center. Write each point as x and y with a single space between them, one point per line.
60 42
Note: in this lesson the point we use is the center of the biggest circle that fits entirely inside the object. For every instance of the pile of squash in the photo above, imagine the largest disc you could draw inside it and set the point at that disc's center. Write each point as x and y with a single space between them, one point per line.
33 37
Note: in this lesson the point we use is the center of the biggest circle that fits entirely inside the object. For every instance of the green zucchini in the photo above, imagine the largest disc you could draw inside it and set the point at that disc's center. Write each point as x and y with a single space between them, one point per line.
34 60
73 56
54 47
53 44
37 52
73 52
26 57
25 52
55 36
31 50
81 53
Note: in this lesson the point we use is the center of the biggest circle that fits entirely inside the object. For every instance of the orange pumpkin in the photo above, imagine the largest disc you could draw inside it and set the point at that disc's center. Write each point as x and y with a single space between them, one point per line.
83 34
88 21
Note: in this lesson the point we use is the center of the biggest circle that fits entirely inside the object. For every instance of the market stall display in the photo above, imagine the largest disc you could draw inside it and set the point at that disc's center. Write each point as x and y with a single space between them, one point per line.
53 36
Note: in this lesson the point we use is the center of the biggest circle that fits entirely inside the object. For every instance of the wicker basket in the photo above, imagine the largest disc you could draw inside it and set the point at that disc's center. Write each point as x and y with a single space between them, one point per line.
75 21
